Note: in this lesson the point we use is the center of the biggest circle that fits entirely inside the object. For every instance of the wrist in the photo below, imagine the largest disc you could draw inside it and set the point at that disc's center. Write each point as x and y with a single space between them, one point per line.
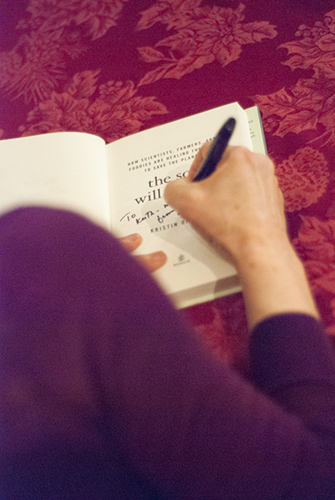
273 280
260 251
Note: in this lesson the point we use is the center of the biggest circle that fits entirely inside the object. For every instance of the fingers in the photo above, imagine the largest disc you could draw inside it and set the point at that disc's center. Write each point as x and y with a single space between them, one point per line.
199 158
183 195
240 199
131 242
152 261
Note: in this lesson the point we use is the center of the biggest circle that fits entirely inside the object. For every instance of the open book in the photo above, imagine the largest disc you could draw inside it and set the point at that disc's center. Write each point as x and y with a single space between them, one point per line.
120 186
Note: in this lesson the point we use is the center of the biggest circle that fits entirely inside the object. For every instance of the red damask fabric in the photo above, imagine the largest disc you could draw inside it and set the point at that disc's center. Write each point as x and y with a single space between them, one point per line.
114 67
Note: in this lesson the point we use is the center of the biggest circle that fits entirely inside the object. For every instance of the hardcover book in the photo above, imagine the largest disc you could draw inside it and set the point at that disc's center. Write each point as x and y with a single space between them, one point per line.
121 185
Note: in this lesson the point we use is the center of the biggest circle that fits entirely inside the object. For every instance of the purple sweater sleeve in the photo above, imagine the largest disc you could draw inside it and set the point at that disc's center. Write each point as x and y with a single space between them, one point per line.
106 393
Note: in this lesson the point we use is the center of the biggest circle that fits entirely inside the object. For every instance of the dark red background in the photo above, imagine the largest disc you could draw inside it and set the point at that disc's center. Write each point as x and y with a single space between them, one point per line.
66 67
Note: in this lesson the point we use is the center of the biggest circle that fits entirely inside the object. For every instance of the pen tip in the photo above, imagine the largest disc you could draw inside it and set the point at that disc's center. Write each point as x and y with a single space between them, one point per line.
230 124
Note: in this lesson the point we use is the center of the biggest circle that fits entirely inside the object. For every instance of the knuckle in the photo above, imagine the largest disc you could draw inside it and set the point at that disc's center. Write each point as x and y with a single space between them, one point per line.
240 155
242 152
244 155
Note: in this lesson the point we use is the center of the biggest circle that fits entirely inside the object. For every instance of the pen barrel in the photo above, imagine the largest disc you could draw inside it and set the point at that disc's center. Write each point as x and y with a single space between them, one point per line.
216 150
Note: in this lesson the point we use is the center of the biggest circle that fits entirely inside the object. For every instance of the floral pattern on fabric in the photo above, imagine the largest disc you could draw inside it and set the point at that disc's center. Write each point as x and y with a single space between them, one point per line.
203 35
111 110
85 65
222 324
54 35
96 16
311 102
315 245
307 109
303 178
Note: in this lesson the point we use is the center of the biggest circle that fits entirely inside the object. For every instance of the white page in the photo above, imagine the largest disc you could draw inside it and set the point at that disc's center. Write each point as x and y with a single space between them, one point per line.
63 170
256 130
139 167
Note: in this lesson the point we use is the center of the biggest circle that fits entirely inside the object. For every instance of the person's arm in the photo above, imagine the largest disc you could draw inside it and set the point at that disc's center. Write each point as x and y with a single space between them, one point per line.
97 364
239 208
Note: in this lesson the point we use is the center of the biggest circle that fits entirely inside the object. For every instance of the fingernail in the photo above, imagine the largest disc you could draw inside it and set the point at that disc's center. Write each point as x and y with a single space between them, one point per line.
131 238
158 256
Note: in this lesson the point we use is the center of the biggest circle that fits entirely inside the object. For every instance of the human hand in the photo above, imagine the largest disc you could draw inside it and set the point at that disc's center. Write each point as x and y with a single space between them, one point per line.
152 261
240 208
239 205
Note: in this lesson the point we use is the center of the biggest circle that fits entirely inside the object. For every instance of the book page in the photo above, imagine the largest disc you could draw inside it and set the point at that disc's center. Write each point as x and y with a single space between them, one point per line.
63 170
256 130
139 168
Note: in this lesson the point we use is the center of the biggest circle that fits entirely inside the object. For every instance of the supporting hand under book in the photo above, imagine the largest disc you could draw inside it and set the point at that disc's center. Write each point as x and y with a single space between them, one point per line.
152 261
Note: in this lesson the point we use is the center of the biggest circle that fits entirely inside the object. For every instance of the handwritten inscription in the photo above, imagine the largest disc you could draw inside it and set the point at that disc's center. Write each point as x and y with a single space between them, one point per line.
161 218
157 215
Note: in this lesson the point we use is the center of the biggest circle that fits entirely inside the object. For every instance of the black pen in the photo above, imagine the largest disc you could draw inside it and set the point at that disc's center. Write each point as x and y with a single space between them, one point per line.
216 151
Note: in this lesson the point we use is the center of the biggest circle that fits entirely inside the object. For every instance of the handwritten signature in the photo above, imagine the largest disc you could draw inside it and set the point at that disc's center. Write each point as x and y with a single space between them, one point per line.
129 216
